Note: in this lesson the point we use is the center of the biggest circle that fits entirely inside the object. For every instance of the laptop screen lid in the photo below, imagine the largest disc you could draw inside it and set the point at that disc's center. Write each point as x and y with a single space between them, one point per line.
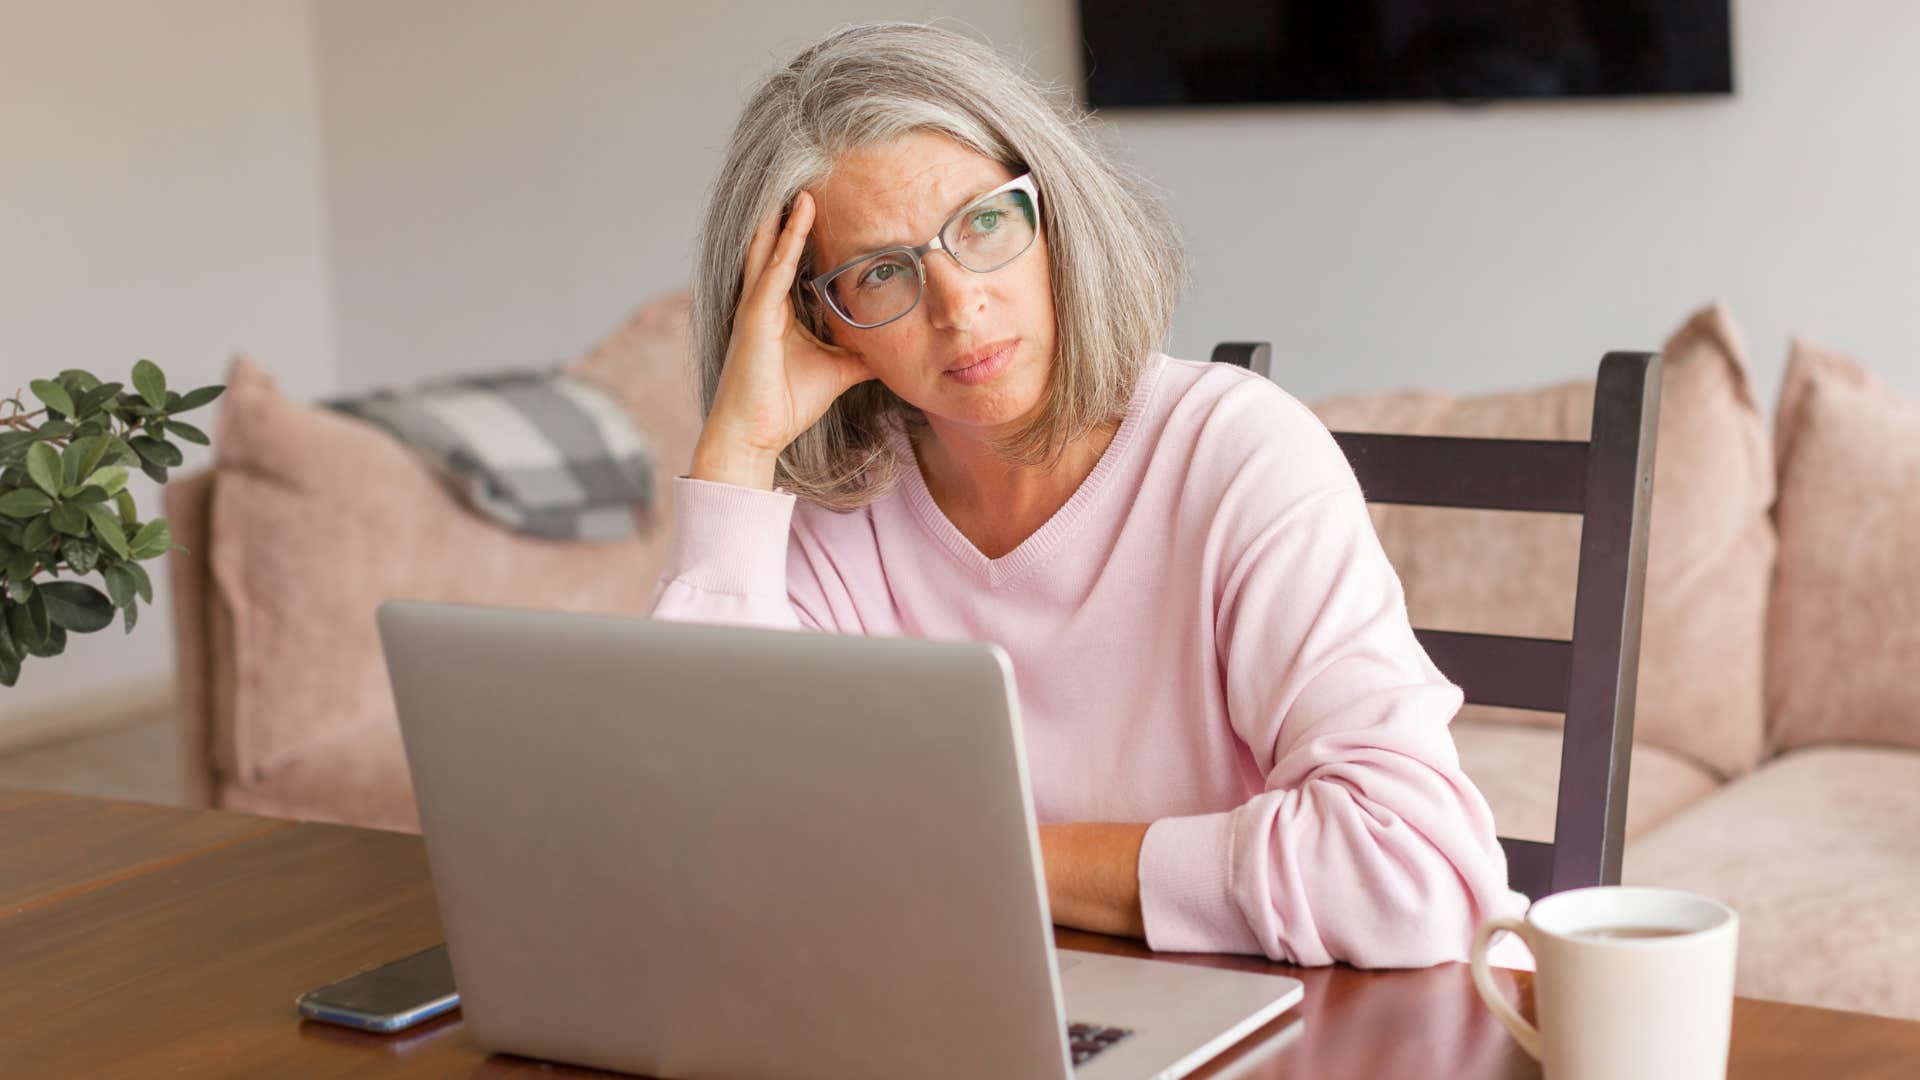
689 850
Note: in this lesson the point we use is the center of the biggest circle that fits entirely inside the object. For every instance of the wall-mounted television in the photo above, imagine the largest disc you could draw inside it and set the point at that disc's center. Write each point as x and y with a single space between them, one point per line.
1197 52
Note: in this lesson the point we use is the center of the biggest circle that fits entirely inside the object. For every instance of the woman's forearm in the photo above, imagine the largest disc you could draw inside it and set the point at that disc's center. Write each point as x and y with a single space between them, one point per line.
1093 877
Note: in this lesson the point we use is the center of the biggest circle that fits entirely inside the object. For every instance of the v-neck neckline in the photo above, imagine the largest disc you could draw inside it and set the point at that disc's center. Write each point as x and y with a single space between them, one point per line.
994 573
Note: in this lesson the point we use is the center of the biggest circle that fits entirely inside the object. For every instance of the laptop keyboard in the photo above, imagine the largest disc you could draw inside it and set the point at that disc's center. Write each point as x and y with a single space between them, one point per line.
1087 1040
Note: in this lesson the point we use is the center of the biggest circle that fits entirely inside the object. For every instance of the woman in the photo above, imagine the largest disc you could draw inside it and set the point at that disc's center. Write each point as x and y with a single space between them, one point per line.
945 357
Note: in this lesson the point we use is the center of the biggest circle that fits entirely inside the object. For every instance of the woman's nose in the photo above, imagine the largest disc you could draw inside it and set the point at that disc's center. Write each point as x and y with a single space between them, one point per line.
955 295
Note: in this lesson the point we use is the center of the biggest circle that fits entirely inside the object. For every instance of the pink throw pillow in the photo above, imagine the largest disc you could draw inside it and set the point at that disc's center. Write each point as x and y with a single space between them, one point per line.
1843 634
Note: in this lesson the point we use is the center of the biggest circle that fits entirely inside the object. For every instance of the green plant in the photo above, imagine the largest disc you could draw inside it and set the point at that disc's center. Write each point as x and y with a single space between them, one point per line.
64 504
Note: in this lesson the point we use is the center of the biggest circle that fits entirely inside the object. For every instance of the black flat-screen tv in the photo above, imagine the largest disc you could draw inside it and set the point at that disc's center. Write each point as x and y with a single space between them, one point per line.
1194 52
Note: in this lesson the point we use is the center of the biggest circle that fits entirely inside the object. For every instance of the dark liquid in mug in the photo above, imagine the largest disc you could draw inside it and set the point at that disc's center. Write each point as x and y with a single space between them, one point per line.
1617 933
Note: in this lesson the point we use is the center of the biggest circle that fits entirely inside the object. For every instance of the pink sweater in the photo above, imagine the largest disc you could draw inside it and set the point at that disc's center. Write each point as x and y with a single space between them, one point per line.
1207 637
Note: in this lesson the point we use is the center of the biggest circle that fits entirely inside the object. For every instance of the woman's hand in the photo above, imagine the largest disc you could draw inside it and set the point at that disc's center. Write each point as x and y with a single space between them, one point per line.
778 378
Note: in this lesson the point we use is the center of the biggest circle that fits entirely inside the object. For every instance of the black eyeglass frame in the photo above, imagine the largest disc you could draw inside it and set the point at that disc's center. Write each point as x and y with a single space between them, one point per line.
818 283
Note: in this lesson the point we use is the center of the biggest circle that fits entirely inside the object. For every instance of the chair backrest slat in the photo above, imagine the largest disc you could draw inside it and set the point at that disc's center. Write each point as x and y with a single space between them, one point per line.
1472 474
1529 866
1608 480
1511 672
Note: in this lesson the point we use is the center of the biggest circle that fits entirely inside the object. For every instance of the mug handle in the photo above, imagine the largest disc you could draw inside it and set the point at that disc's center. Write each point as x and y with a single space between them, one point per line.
1523 1033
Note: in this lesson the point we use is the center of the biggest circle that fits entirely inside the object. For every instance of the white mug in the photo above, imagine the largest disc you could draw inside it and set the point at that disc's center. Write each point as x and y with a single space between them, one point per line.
1630 981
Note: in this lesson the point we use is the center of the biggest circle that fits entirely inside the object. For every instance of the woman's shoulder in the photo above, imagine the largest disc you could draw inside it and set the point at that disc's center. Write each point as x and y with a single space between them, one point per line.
1227 419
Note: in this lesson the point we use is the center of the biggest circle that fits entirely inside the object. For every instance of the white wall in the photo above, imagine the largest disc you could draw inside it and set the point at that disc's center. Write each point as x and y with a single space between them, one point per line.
1475 248
506 180
159 198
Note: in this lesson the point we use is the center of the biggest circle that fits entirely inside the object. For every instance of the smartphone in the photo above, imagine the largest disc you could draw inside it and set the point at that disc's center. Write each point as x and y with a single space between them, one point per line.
391 997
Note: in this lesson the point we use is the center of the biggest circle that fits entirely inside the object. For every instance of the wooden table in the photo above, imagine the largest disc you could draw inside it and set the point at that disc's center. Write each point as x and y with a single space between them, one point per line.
150 941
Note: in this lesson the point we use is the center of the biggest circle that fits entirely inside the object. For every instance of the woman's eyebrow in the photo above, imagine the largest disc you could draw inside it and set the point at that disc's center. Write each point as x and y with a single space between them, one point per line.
867 246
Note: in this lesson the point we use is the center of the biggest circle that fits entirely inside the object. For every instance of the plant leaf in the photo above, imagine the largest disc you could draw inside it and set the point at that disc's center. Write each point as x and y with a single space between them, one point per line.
26 635
76 606
153 538
96 449
193 399
155 473
53 394
132 613
157 451
8 649
54 644
68 519
120 587
151 382
40 624
119 453
107 527
24 502
188 432
77 380
141 581
37 533
129 514
87 494
43 464
81 555
110 479
70 461
19 589
89 403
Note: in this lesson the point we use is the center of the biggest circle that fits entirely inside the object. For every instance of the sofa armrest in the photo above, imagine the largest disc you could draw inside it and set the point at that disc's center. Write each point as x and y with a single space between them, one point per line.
188 500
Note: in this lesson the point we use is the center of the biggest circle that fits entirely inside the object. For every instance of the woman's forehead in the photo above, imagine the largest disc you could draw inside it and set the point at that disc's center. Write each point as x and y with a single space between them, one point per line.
897 193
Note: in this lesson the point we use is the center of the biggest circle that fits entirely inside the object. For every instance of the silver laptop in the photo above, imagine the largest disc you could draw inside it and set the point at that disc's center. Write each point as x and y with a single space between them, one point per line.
707 851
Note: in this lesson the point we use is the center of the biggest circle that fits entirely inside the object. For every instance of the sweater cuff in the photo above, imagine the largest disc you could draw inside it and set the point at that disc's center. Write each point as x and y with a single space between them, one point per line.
1186 887
729 539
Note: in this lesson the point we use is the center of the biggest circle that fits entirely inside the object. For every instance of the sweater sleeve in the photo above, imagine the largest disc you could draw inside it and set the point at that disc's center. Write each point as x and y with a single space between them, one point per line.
1368 844
728 561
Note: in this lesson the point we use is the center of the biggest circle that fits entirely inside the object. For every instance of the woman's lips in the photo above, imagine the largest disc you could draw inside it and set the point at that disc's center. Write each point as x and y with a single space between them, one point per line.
985 369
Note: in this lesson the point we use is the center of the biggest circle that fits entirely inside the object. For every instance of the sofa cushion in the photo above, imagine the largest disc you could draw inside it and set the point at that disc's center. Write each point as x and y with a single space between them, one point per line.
316 518
360 781
1843 634
1819 852
1517 767
1710 551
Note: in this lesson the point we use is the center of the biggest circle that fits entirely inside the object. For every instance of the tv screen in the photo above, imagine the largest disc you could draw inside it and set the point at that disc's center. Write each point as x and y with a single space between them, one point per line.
1193 52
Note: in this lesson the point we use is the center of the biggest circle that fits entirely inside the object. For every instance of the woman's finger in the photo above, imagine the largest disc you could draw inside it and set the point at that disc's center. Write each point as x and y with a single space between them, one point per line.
762 242
777 277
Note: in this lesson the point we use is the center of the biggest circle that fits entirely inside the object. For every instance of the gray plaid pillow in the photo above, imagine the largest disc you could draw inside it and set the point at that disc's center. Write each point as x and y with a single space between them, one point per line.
541 453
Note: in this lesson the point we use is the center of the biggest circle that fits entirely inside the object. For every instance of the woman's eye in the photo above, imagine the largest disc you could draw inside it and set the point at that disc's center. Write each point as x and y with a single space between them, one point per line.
880 275
987 220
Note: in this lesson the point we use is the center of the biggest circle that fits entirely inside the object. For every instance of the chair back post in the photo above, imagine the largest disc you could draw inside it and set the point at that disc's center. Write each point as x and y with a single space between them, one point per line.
1255 356
1603 672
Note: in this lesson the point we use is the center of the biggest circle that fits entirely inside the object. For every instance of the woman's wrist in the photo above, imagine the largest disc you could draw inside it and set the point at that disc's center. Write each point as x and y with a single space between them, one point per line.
1092 872
728 463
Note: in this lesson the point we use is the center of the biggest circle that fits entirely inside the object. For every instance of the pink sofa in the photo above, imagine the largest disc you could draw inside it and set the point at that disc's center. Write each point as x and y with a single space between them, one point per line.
1777 755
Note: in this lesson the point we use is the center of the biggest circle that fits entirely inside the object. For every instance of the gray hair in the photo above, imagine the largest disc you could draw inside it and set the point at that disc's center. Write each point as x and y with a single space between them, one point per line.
1116 258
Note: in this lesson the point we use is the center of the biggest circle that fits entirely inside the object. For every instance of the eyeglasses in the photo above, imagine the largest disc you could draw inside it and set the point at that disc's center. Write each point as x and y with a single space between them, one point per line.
983 236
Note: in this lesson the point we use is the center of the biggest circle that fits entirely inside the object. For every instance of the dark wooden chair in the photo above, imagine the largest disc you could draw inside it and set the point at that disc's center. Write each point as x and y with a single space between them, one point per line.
1609 482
